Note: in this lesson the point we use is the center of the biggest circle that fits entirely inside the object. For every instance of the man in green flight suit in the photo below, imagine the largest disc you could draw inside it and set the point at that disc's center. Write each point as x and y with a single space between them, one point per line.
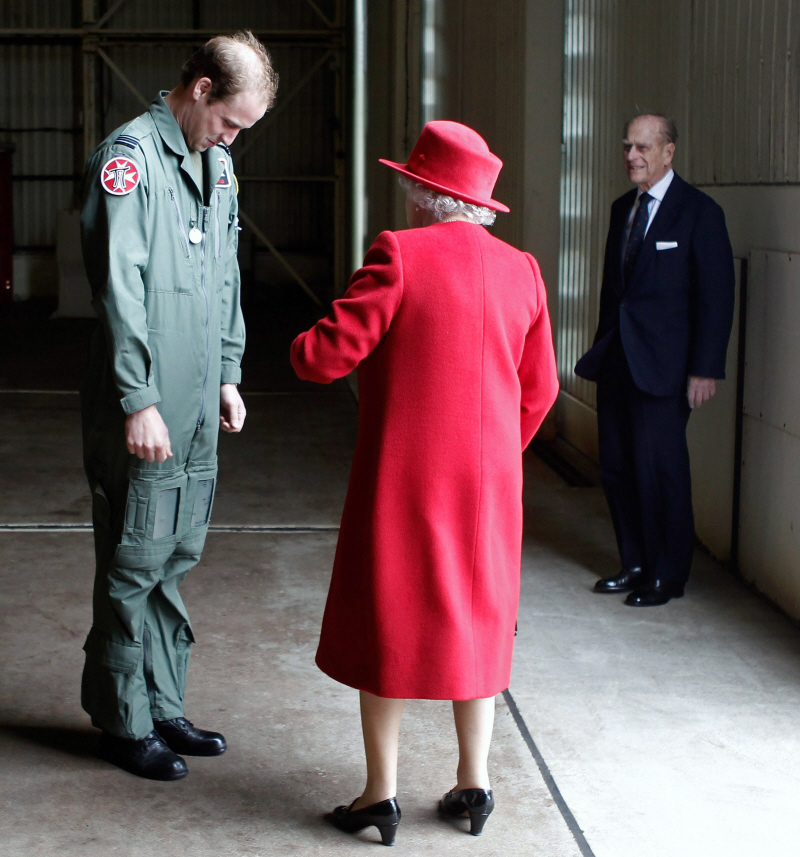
160 236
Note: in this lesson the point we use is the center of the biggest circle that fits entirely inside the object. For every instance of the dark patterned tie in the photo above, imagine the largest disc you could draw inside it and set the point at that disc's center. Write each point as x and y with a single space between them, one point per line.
636 238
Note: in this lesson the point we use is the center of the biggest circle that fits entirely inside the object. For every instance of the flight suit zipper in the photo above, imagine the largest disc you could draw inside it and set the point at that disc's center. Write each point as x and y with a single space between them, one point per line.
181 228
217 241
206 213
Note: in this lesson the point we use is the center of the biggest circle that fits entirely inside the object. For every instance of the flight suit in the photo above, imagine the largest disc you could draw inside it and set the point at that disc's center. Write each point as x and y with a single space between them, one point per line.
160 249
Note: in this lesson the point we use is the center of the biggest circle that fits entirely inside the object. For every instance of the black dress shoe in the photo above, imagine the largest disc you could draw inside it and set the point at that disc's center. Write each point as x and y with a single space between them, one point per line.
654 594
385 815
625 581
183 737
479 803
148 757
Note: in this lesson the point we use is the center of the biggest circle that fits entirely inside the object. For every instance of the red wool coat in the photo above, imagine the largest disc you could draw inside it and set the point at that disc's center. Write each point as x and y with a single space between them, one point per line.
449 329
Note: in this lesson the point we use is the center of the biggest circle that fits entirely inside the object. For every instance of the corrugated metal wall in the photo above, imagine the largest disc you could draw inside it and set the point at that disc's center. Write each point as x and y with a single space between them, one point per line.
295 208
479 80
745 122
588 175
727 70
40 126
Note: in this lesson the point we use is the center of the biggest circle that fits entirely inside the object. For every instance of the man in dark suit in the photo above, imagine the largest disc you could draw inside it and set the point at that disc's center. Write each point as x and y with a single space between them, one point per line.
666 309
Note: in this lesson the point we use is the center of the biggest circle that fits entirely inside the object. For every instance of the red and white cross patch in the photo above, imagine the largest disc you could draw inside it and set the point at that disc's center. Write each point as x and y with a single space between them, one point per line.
119 176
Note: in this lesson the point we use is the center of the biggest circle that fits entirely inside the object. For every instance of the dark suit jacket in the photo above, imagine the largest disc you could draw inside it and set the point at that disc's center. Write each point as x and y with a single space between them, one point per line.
674 319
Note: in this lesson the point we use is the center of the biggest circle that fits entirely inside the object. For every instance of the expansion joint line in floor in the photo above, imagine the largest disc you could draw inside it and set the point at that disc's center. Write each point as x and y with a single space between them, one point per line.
544 770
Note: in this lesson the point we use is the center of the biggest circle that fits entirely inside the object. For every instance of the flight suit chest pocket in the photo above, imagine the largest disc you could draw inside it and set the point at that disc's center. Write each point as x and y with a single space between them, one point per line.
176 235
153 509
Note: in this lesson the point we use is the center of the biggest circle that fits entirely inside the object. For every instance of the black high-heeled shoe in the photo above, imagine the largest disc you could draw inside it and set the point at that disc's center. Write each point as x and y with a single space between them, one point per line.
479 803
385 815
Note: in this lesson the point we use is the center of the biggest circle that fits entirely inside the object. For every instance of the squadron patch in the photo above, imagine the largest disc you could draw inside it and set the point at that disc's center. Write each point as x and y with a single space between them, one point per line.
225 179
119 176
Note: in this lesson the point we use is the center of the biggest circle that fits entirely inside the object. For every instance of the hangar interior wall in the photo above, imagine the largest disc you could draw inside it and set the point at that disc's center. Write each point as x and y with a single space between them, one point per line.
62 96
729 72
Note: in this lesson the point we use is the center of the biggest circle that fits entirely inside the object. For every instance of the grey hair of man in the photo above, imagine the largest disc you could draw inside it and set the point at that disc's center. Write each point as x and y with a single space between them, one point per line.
443 207
233 64
668 132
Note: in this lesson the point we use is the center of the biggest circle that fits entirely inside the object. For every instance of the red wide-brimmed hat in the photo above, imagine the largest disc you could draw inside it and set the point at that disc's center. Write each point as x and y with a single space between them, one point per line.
455 160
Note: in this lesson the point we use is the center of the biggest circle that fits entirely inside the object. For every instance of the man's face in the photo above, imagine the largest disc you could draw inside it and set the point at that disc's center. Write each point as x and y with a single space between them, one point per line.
207 124
647 157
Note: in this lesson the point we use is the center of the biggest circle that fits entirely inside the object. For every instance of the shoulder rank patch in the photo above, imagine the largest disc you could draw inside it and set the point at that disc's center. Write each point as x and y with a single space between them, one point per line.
225 179
119 176
126 140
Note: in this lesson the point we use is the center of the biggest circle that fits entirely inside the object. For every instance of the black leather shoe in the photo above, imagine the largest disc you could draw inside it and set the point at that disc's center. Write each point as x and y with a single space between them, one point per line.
625 581
148 757
654 594
183 737
478 803
385 815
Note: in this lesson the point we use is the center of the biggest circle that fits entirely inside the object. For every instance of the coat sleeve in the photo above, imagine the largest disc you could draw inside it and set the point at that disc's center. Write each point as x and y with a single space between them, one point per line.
537 369
714 294
115 238
231 320
358 321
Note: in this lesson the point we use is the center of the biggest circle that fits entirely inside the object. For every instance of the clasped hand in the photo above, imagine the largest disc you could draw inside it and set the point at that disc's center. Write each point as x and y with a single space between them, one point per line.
147 436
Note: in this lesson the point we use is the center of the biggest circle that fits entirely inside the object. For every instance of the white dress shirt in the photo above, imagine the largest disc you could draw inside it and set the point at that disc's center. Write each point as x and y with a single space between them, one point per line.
657 192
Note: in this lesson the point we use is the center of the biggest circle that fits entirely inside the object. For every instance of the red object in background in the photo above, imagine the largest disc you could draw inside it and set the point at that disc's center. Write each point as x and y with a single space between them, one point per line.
6 224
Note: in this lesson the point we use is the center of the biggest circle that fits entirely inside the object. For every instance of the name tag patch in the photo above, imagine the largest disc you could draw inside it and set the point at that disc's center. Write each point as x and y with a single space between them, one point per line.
119 176
666 245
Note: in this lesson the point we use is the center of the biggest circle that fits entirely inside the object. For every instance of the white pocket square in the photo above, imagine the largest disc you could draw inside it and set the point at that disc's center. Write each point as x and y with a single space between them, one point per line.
666 245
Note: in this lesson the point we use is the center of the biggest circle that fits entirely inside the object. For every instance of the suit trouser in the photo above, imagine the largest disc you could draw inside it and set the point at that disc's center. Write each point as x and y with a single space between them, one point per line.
150 524
644 462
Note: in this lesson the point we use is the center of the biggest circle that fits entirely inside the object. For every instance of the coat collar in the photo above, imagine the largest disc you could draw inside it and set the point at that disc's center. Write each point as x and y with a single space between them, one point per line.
174 140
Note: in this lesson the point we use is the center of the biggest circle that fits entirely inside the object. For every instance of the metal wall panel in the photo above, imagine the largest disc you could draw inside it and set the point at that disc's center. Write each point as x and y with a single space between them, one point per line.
483 88
36 116
745 92
255 14
295 211
589 175
770 502
35 13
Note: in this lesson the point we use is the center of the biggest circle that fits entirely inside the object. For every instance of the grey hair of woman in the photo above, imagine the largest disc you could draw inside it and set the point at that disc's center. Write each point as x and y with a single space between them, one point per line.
443 207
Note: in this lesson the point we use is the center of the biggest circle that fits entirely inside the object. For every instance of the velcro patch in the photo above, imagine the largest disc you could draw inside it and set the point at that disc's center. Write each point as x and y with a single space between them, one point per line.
225 179
126 140
119 176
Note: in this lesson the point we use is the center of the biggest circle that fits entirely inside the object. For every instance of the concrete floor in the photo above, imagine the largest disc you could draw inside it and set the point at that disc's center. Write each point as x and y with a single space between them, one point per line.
670 732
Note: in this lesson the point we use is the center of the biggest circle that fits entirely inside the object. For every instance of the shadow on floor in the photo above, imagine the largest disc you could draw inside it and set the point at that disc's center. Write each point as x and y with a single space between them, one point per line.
74 742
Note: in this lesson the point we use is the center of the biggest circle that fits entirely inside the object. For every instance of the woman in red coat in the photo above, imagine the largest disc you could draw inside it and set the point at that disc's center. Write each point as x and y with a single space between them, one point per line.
449 329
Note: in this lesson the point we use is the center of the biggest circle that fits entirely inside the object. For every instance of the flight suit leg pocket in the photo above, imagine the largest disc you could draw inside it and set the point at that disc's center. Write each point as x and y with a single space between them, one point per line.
202 485
183 649
112 684
153 509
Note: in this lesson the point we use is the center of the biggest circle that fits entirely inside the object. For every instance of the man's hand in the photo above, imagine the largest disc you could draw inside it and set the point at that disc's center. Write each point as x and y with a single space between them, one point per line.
700 390
231 408
147 436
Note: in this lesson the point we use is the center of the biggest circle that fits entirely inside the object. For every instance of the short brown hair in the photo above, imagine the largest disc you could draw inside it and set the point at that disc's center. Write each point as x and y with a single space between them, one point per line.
233 64
668 130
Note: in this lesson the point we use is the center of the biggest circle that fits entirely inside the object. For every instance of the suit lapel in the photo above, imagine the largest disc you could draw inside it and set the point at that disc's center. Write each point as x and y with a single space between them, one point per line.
667 214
